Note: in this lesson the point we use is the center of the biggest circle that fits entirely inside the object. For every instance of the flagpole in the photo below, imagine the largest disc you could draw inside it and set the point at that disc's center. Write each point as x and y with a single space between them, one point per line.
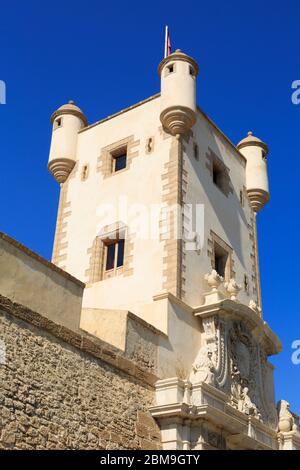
166 41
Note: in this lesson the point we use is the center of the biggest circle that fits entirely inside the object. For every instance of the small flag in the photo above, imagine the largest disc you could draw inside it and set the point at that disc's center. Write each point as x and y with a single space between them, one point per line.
167 42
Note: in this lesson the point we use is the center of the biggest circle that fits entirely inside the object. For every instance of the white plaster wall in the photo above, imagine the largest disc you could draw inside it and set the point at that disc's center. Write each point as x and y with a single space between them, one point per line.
224 215
27 279
140 184
178 351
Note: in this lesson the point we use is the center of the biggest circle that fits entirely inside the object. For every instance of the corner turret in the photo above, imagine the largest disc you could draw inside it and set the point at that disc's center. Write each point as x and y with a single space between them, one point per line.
178 74
67 121
255 151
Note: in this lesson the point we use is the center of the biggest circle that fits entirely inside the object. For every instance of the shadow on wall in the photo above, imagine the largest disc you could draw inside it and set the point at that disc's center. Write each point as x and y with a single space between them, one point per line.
226 205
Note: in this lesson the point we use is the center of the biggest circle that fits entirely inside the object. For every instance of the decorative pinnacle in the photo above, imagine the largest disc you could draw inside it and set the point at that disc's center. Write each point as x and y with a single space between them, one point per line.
71 102
250 133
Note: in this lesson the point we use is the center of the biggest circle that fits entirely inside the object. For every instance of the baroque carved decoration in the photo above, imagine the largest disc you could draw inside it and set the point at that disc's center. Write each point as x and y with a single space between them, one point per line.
287 420
233 288
233 361
213 279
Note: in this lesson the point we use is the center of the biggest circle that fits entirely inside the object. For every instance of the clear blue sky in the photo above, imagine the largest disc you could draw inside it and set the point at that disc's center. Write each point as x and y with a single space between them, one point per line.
104 55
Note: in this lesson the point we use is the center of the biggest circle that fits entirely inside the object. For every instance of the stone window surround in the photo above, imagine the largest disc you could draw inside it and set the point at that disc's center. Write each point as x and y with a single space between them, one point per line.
97 252
106 240
105 160
214 161
214 240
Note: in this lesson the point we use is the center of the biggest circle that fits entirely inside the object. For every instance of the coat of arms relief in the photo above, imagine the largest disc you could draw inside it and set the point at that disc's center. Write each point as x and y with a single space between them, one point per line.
233 361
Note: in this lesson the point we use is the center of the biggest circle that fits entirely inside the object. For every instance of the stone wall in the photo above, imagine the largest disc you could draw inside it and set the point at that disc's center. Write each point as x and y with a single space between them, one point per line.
29 279
64 390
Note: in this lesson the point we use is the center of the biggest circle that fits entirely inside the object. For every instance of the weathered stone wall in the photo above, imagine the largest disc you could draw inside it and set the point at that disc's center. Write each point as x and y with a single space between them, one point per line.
63 390
29 279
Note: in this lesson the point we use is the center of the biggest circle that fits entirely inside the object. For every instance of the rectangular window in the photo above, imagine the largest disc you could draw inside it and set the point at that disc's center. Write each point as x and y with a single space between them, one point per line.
120 257
114 254
119 161
221 259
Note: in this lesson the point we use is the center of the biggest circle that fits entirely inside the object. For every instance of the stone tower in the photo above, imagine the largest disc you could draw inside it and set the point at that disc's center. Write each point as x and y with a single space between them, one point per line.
157 216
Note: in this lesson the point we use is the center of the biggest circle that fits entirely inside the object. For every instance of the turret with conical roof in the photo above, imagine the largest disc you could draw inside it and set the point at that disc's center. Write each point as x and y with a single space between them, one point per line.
178 74
67 121
255 151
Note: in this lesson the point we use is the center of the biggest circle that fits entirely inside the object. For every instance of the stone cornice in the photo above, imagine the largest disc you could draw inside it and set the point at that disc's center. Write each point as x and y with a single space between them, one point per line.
176 407
259 327
254 143
173 299
238 154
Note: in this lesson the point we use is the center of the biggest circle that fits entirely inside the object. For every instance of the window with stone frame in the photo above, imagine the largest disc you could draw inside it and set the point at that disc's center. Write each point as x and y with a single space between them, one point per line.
219 173
110 254
113 254
119 159
221 257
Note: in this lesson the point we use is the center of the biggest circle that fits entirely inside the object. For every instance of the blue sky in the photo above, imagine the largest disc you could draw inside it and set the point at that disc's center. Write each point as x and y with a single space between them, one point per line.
104 55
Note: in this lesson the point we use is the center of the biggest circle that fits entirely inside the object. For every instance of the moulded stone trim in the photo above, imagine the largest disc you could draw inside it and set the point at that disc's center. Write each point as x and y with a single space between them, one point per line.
105 160
213 159
96 252
173 245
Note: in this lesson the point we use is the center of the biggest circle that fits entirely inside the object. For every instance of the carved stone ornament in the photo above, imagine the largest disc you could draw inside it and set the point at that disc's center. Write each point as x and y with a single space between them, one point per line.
213 279
232 361
203 369
287 421
232 288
